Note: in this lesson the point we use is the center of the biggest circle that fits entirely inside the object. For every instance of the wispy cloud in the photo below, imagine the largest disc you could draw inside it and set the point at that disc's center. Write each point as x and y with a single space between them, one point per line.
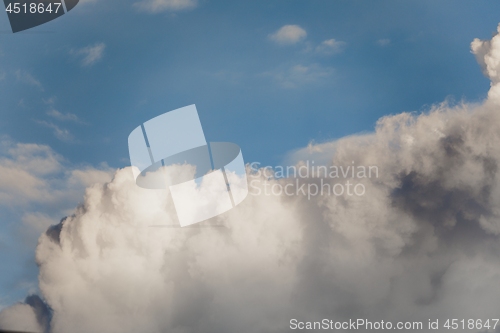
330 46
300 75
383 42
157 6
34 173
64 116
50 101
26 78
60 133
41 186
90 54
288 34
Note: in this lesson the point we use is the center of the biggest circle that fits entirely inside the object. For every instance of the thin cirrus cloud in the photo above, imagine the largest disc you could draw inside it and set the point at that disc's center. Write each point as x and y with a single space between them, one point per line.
383 42
300 75
25 77
158 6
288 35
69 117
89 55
60 133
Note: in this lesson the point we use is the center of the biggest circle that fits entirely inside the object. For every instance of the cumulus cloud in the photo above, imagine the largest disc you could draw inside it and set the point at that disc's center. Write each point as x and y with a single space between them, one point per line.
288 34
156 6
90 55
198 256
414 243
488 55
421 243
330 46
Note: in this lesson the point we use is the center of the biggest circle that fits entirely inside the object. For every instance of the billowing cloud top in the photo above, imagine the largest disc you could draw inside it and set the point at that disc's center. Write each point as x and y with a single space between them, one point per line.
488 55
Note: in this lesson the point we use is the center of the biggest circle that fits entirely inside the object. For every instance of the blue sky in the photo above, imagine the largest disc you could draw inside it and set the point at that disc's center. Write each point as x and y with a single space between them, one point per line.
81 83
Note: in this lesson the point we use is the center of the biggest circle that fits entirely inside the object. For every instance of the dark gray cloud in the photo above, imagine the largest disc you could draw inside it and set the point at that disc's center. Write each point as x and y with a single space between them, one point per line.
32 315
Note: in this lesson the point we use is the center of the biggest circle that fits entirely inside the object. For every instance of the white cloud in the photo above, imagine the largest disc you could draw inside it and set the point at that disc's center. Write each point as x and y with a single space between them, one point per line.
383 42
330 46
156 6
288 34
26 78
90 54
300 75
